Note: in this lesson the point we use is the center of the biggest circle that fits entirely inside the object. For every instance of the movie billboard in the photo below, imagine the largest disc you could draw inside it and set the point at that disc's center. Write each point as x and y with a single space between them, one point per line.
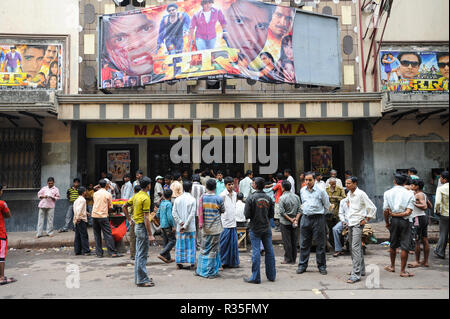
414 71
30 66
321 159
197 39
118 164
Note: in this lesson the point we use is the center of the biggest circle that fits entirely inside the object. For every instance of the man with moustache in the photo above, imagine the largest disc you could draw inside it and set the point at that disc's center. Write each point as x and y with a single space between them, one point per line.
247 28
129 43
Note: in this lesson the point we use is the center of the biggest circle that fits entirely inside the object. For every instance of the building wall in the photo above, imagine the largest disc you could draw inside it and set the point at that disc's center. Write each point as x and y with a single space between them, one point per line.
50 17
406 145
418 21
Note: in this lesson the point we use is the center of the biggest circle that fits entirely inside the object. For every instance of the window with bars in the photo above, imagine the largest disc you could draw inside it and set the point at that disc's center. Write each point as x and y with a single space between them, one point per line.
20 158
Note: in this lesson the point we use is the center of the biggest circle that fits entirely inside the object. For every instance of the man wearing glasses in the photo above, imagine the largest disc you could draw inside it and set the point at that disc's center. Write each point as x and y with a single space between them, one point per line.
409 64
442 58
173 27
315 203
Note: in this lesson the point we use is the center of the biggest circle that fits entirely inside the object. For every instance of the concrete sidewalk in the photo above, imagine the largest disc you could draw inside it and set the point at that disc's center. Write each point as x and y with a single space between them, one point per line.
20 240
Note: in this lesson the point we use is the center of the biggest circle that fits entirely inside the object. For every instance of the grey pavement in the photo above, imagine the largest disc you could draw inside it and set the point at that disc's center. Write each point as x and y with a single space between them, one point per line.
21 240
44 273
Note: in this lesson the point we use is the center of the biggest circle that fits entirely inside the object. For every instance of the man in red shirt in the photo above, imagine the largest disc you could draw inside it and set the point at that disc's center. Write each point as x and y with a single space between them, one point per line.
4 213
278 192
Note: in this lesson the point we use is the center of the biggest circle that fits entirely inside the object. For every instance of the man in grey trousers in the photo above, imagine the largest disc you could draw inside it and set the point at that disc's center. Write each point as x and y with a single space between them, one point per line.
315 203
360 211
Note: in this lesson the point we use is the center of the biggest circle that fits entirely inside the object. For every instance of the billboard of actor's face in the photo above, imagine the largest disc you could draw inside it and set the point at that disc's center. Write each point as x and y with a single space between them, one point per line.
247 26
281 21
50 54
409 66
129 42
33 57
443 65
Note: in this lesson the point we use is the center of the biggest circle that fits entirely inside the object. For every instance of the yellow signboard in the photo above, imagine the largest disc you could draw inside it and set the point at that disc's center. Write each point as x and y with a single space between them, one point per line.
165 129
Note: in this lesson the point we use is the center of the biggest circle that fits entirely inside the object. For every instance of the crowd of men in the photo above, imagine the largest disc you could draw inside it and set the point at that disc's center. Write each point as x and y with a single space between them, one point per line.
202 213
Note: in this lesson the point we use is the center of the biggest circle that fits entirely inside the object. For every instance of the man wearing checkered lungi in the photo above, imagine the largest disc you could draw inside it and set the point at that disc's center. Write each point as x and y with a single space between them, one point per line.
211 208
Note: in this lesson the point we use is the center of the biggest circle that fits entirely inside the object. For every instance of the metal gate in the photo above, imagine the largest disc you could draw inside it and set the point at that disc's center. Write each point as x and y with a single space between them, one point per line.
20 157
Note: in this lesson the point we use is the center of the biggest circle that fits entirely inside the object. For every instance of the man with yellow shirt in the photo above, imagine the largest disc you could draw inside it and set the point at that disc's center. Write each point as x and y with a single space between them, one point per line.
141 210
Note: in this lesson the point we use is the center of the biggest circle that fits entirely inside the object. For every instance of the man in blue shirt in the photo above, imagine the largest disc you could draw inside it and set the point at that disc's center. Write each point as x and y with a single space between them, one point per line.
315 203
167 226
220 184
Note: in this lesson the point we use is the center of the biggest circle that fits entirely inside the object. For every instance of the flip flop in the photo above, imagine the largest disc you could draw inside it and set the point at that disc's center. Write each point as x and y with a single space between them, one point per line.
163 259
7 280
352 280
413 265
406 274
147 284
388 268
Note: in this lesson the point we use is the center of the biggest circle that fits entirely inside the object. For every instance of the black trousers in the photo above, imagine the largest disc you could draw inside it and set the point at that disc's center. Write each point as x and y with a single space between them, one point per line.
289 236
81 242
312 228
101 225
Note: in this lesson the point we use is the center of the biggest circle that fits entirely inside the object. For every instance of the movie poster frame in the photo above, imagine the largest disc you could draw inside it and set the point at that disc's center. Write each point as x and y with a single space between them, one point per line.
44 39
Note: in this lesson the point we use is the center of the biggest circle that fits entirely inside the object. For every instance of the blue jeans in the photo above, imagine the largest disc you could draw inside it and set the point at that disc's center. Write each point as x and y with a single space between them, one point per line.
11 70
337 234
269 261
140 262
205 44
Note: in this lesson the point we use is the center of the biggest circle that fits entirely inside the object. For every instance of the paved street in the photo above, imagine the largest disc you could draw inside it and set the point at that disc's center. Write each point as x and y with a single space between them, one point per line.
42 274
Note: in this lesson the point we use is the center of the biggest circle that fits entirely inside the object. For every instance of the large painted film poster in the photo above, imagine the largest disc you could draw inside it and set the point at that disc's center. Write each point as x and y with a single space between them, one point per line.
414 70
30 66
198 38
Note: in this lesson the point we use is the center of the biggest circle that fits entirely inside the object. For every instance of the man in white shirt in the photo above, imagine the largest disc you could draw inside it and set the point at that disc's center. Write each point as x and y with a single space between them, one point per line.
197 192
441 209
361 210
183 212
339 227
240 208
126 192
81 242
229 251
290 179
158 192
398 205
333 174
245 186
319 182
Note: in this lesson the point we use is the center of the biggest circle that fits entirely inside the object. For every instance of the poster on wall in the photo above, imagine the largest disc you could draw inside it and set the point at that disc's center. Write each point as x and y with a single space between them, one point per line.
30 66
321 159
414 71
118 164
197 39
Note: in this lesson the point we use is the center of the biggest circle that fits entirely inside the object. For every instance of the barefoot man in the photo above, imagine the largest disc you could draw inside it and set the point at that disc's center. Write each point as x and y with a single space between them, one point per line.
398 204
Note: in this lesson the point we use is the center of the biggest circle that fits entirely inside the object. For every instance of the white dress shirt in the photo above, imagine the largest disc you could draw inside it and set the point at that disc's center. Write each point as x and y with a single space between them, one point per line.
360 207
343 210
291 180
240 208
184 209
398 199
229 201
245 186
321 184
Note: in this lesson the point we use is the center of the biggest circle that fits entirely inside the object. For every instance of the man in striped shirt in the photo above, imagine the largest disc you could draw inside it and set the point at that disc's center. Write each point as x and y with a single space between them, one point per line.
210 221
72 195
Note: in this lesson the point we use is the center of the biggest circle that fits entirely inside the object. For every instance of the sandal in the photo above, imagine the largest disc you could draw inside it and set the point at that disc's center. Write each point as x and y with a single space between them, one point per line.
352 280
7 280
338 253
147 284
388 268
406 274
